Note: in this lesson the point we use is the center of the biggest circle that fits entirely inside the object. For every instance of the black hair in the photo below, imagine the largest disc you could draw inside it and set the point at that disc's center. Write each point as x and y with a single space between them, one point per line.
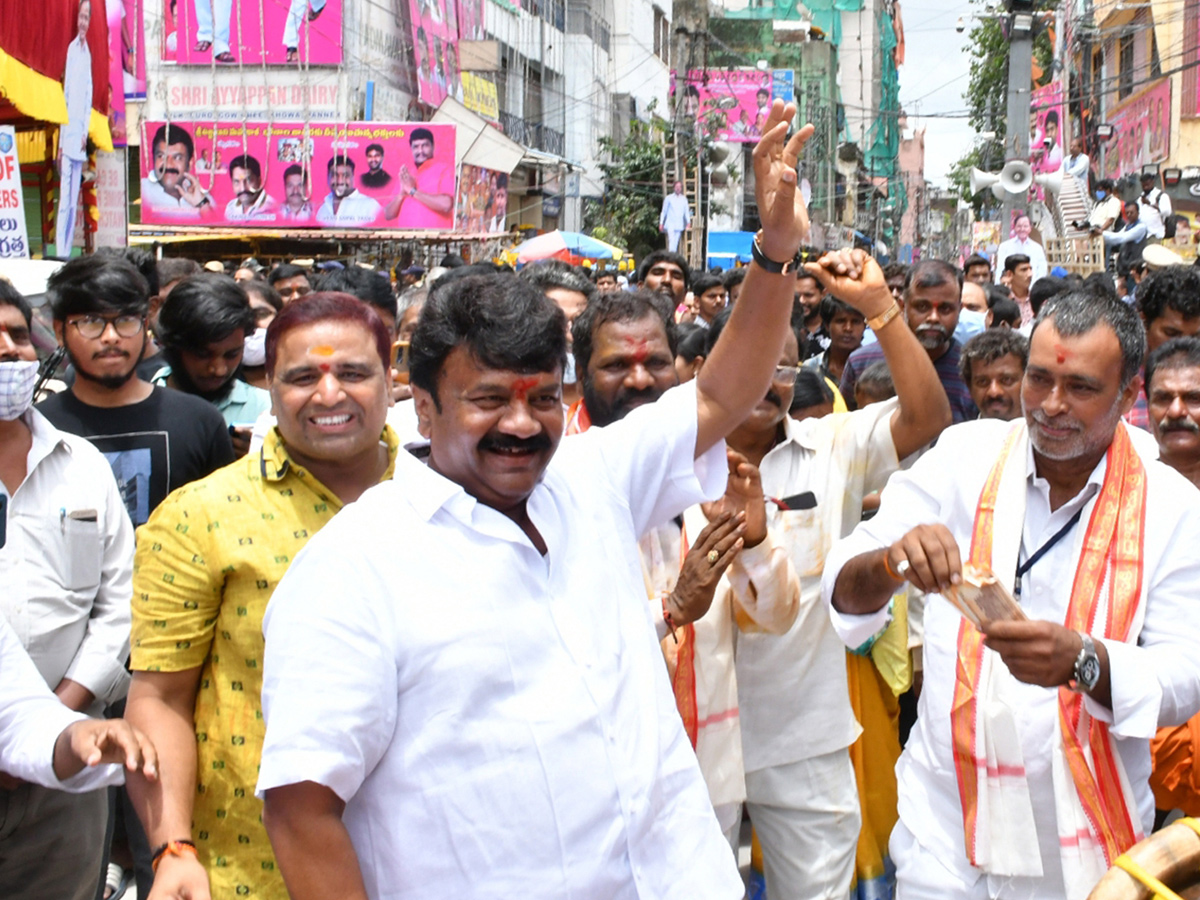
619 306
340 158
657 256
1105 184
890 271
1017 259
930 273
461 272
1043 289
810 390
1052 116
997 292
203 309
1005 311
706 281
247 162
691 341
876 381
141 259
10 296
284 271
295 169
370 287
265 291
503 322
452 261
990 345
976 259
1100 284
175 268
597 274
1177 353
502 180
97 283
173 134
554 273
830 306
1075 313
1171 287
420 134
376 147
734 277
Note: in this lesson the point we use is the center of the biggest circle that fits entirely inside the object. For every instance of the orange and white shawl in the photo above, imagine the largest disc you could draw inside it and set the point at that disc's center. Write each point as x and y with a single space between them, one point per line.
1094 805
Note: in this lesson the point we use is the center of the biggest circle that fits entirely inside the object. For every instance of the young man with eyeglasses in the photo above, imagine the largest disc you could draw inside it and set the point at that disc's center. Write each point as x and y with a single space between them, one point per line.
156 439
796 743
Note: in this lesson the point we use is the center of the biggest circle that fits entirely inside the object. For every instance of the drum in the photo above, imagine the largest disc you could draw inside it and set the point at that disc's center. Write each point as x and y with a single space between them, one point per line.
1166 865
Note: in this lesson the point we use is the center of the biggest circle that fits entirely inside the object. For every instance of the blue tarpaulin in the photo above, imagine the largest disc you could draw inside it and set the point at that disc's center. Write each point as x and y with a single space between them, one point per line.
725 248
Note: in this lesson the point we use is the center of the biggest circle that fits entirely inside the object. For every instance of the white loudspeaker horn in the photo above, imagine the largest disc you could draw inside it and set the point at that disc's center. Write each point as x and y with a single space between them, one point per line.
1016 176
981 180
998 191
1051 182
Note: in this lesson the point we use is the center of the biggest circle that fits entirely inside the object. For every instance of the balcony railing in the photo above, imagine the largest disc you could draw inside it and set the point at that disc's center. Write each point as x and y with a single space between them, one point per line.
532 134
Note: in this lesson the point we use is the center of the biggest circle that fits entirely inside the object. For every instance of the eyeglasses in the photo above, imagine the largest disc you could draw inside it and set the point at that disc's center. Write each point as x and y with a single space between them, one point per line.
786 374
92 327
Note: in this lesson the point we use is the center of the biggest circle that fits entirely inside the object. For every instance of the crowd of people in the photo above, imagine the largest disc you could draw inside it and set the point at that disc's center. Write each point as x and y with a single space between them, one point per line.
491 583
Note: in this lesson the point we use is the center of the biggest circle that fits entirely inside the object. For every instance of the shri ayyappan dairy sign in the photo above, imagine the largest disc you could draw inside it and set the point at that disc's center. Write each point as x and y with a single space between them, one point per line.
260 174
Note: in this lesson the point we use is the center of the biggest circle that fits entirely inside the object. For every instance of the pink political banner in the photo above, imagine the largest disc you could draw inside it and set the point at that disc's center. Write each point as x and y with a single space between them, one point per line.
358 175
470 20
1047 117
114 12
133 48
435 43
252 32
482 201
727 104
1141 131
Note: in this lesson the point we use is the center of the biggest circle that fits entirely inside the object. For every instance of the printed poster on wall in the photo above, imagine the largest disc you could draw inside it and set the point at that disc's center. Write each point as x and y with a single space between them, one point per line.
133 49
357 175
1047 115
726 104
1141 131
14 239
252 32
482 201
435 43
115 13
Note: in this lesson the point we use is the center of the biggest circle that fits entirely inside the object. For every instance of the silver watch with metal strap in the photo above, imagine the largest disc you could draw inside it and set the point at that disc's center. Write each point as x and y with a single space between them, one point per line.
1087 666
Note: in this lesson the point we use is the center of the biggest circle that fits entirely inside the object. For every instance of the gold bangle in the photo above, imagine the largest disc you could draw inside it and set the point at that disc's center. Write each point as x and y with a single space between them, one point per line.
877 322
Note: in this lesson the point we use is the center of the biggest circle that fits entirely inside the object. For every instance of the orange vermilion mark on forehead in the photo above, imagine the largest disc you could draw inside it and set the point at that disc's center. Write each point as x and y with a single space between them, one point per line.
321 350
1061 353
522 386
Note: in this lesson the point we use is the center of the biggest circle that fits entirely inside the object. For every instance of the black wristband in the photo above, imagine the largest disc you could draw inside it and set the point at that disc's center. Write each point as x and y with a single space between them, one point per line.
769 265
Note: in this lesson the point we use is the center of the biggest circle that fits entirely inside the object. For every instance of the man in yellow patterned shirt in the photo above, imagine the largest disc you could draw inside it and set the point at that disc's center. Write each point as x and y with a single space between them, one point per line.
207 562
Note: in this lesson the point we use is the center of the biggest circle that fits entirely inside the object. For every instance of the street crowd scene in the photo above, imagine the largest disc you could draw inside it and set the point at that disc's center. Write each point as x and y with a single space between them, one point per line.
816 579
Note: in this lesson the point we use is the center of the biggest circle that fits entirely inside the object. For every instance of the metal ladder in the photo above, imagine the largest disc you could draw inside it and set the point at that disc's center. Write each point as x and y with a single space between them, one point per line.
678 168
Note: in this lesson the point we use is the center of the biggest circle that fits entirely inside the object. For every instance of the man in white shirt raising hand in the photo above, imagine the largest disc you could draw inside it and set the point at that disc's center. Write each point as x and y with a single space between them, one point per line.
491 713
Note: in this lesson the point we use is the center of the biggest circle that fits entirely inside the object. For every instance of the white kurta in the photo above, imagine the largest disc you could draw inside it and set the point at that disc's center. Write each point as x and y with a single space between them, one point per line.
1030 248
498 721
1155 678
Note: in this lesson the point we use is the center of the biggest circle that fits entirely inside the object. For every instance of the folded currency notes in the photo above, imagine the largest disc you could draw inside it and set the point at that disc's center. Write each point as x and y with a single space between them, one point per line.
981 598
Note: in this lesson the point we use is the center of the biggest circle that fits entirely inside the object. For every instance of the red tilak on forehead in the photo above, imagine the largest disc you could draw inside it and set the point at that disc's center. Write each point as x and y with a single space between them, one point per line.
638 349
324 367
1062 353
521 386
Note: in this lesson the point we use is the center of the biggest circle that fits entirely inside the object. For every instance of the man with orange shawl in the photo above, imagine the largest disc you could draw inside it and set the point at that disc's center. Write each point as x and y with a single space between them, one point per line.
1027 772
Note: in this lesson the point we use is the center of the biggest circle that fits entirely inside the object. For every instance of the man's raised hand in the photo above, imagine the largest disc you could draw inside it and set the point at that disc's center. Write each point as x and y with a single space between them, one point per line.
853 277
780 205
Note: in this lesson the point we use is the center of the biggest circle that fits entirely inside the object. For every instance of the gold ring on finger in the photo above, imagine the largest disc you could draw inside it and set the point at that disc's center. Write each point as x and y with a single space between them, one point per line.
712 557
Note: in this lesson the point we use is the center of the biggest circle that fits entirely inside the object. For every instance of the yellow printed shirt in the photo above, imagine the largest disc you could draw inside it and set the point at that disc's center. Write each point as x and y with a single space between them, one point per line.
207 562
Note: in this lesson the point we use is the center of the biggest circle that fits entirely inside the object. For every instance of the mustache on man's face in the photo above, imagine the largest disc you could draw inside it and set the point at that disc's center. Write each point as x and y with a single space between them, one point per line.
506 442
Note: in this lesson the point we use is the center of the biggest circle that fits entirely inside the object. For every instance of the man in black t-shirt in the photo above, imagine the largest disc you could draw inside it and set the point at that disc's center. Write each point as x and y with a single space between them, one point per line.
155 439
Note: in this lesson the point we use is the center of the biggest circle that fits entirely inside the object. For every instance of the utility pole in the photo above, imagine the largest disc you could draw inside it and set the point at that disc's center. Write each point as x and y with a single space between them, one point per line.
1020 83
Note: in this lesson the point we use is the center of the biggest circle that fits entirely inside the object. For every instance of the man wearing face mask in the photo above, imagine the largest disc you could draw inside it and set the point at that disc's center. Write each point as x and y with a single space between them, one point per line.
155 439
203 327
1107 209
66 560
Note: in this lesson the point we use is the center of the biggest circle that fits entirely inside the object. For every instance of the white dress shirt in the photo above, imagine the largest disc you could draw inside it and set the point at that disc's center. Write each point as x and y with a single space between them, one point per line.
67 566
840 458
155 197
1031 248
1155 677
1078 166
355 209
499 722
1153 209
31 719
77 88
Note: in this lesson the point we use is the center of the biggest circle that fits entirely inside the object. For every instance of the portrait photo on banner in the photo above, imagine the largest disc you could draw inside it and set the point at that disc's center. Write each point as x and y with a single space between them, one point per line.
356 175
726 104
252 32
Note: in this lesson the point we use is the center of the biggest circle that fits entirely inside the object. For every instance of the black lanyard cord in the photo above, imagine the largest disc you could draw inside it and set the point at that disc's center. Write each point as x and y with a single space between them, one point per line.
1044 549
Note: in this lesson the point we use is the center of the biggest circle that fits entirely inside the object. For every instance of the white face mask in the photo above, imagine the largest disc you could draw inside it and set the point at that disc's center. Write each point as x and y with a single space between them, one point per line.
255 352
569 371
18 378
